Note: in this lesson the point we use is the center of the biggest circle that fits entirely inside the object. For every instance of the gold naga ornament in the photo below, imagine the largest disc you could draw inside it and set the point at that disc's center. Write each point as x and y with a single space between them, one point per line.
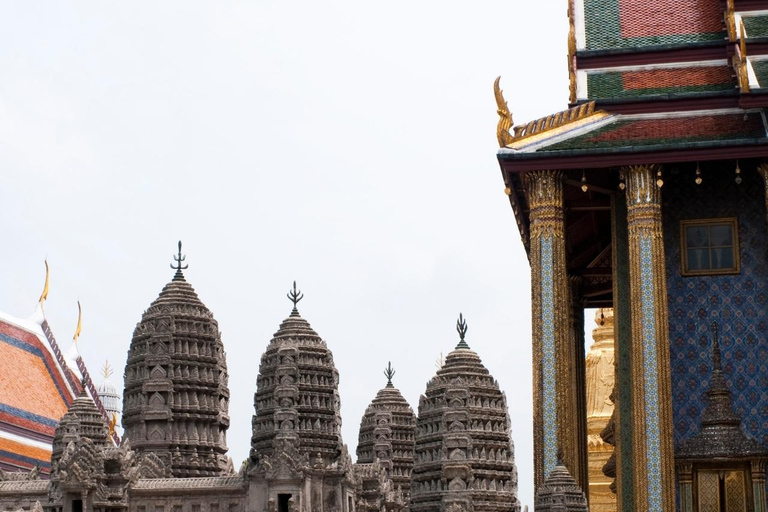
505 116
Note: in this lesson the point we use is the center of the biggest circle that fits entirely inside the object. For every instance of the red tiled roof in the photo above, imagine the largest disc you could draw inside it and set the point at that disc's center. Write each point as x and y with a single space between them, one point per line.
641 18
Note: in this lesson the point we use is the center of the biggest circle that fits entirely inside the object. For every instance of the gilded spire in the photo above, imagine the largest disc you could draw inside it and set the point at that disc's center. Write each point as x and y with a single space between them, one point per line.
295 296
44 295
461 328
179 276
106 370
389 372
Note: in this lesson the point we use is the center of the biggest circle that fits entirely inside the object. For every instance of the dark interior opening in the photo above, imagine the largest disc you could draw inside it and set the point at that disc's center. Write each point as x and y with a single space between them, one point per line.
77 505
282 502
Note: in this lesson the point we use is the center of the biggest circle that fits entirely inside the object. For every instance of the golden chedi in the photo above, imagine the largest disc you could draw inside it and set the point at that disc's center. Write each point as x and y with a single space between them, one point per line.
600 378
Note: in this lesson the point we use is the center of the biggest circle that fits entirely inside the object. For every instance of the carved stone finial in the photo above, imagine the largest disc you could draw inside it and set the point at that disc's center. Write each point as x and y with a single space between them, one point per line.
505 116
295 296
389 372
179 276
461 328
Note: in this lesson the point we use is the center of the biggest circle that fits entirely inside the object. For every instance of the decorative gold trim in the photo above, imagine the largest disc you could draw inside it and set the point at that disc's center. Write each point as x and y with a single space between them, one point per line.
79 322
740 59
44 295
730 21
733 221
505 116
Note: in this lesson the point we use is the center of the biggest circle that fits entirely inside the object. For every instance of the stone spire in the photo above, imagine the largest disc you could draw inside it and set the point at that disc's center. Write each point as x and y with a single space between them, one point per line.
387 433
82 420
297 395
560 493
176 397
464 457
720 436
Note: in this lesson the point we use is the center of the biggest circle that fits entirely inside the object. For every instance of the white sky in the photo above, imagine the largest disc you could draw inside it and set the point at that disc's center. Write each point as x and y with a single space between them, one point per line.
349 145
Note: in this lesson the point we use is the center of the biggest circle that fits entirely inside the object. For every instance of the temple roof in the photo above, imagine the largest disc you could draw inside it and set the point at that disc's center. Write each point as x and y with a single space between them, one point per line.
36 387
627 133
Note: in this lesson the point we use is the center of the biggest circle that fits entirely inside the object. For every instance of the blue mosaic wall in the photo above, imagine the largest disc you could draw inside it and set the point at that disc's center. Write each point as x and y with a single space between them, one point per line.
739 303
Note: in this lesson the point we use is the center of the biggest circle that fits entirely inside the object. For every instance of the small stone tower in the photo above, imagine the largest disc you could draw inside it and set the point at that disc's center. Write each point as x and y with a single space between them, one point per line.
176 397
82 419
387 434
464 458
560 493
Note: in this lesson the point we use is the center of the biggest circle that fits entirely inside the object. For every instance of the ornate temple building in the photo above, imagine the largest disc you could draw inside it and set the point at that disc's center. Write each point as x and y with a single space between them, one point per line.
39 382
456 457
648 195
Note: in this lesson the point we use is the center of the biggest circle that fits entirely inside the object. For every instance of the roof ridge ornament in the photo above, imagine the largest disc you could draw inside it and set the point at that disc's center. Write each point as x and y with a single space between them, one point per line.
79 327
389 372
462 328
44 295
295 296
505 116
106 370
179 276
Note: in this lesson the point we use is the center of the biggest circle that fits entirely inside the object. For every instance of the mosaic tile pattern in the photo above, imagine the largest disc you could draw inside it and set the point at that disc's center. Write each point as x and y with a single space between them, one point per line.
677 130
651 386
638 24
660 82
738 303
548 365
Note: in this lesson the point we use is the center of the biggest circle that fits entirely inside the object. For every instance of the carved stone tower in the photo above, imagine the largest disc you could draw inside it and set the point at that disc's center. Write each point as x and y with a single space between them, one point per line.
464 459
297 394
560 493
387 434
176 399
82 419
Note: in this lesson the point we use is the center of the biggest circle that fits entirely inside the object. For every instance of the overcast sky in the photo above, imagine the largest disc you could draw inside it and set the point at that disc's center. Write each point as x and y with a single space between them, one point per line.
348 145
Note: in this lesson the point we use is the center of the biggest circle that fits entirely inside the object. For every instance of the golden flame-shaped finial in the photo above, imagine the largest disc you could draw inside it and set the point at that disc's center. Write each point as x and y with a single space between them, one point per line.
44 295
79 322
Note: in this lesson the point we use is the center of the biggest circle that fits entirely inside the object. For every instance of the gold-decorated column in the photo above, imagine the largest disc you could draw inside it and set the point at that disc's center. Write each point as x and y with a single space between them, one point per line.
652 443
554 379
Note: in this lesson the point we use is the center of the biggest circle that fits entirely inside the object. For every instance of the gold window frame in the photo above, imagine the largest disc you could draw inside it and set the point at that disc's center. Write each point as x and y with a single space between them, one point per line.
733 221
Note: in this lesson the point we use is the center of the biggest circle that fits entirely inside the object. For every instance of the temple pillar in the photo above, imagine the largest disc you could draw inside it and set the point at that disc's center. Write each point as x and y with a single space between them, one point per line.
652 443
554 369
758 485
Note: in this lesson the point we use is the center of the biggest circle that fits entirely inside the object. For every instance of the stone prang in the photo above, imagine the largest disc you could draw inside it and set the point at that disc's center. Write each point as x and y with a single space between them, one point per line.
464 458
297 394
560 493
176 399
82 419
387 434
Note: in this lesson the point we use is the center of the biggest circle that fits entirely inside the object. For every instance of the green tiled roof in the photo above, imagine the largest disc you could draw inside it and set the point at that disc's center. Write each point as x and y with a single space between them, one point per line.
757 26
672 131
761 71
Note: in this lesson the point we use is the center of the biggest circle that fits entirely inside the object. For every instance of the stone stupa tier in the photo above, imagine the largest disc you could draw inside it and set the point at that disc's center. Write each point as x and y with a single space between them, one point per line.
84 419
176 399
297 393
387 434
464 457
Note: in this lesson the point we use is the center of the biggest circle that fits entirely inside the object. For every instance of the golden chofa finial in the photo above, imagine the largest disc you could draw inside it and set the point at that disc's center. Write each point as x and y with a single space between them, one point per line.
505 116
44 295
106 370
79 322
